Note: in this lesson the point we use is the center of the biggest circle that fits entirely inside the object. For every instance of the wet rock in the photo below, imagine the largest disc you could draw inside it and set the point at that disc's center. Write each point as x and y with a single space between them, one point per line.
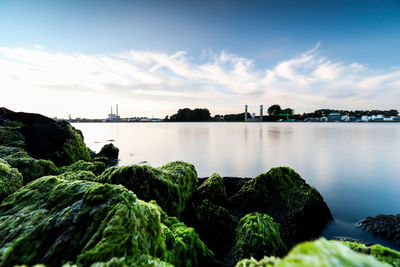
353 240
317 253
10 179
233 184
78 175
54 221
257 235
284 195
96 167
171 185
384 226
212 189
109 151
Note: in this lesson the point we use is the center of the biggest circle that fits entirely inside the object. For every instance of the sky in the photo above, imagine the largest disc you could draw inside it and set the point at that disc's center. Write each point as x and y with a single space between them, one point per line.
153 57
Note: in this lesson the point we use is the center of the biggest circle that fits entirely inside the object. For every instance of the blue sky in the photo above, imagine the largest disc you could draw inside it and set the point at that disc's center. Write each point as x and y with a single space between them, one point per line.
153 57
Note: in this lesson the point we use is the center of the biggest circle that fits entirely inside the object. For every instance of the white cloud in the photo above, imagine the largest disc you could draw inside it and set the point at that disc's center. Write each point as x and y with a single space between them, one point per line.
148 82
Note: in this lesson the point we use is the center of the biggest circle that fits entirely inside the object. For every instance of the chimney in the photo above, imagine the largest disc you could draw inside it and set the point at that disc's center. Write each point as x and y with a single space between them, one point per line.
261 112
117 109
245 113
111 110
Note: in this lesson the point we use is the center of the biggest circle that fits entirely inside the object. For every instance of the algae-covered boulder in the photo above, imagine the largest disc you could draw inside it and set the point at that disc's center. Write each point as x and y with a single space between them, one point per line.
10 136
78 175
143 261
109 151
381 253
8 150
10 179
29 167
171 185
45 138
315 254
53 221
257 235
215 225
212 189
96 167
284 195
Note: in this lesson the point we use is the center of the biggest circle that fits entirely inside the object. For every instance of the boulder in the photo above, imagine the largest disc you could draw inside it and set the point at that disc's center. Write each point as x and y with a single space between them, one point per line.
78 175
384 226
10 180
8 150
257 235
317 253
171 185
96 167
233 185
29 167
53 221
212 189
284 195
43 137
109 151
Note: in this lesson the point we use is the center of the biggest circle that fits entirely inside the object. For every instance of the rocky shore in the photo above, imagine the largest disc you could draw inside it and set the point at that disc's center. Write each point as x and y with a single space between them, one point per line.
65 205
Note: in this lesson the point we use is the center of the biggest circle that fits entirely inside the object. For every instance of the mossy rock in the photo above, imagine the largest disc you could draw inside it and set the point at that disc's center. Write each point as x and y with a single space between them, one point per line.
96 167
212 189
315 254
10 179
53 221
101 159
78 175
171 185
257 235
284 195
381 253
29 167
11 136
109 151
215 225
8 150
143 261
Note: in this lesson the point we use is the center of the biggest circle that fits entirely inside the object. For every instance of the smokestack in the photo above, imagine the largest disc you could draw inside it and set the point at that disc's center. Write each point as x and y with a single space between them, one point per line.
245 113
261 112
117 109
111 110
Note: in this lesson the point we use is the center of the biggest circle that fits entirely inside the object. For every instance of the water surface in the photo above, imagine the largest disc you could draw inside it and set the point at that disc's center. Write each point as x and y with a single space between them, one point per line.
353 165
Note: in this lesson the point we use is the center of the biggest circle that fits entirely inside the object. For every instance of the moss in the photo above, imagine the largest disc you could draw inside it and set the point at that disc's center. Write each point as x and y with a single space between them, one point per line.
29 167
96 167
54 221
257 235
10 180
10 136
78 175
73 149
171 185
109 151
213 189
144 260
102 159
8 150
381 253
317 253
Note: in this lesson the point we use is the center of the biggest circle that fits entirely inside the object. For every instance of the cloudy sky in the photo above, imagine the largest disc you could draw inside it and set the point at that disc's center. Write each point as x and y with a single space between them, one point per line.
154 57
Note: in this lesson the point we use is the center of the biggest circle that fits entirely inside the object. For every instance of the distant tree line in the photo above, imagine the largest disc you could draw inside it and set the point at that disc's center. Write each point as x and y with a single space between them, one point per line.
275 113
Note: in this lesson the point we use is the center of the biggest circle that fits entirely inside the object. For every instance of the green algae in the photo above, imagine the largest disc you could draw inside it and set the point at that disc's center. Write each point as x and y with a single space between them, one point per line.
171 186
109 151
29 167
213 189
54 221
8 150
257 235
78 175
10 179
143 261
317 253
96 167
10 136
381 253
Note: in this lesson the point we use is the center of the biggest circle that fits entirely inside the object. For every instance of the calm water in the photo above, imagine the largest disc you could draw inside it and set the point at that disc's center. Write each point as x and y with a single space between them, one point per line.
354 166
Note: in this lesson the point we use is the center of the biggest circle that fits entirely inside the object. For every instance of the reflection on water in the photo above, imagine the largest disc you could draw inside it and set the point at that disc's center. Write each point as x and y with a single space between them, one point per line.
353 165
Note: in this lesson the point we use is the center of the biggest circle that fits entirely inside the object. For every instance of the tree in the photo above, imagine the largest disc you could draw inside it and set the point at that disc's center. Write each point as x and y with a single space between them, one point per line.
288 111
274 110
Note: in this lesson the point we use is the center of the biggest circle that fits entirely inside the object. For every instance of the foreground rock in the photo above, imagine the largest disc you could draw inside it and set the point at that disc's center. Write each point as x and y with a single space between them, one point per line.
97 167
385 226
171 185
10 180
54 221
285 196
212 189
43 137
318 253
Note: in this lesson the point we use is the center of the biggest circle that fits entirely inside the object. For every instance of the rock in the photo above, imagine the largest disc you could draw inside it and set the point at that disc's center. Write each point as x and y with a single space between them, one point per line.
144 260
353 240
96 167
45 138
214 224
212 189
109 151
8 150
78 175
379 252
171 186
10 136
53 221
10 180
233 184
257 235
29 167
317 253
284 195
102 159
384 226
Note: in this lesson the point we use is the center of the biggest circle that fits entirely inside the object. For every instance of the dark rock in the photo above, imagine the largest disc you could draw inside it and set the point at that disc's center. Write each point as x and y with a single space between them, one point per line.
109 151
212 189
284 195
352 240
233 184
384 226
